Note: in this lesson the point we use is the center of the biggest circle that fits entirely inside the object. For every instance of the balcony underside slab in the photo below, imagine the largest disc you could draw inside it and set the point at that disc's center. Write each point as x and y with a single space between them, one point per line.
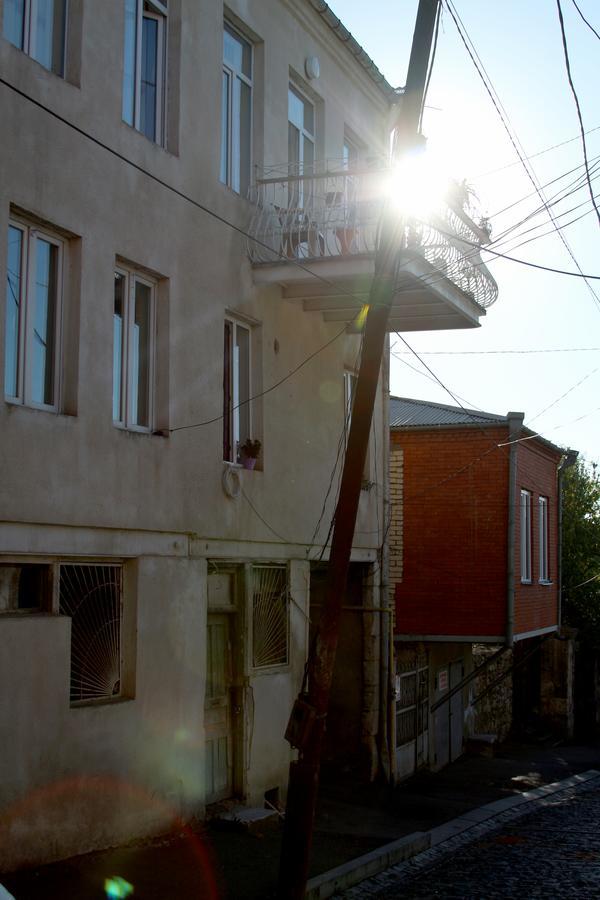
425 300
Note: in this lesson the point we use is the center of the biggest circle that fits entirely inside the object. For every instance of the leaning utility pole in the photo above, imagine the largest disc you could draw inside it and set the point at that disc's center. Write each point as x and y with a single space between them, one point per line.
307 723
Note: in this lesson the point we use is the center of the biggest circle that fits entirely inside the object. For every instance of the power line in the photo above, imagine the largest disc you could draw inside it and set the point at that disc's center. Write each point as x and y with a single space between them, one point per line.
535 155
589 25
562 396
496 103
578 107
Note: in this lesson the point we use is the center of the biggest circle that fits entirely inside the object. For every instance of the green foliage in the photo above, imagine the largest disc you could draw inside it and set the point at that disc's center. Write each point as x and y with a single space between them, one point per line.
581 550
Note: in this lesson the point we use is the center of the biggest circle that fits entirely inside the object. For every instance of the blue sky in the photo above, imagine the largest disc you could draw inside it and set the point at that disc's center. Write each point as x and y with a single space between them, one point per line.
520 46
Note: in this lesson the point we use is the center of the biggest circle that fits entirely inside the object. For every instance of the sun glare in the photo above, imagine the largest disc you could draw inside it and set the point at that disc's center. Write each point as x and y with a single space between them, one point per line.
417 186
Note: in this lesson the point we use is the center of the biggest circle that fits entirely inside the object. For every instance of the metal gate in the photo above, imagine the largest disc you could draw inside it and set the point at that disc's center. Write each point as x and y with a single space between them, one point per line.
412 713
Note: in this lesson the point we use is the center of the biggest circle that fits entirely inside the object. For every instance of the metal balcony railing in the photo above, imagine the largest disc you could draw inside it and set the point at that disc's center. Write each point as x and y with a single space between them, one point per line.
334 213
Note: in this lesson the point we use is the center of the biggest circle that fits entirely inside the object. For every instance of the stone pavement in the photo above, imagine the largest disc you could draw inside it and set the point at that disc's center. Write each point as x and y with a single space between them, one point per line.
546 848
352 820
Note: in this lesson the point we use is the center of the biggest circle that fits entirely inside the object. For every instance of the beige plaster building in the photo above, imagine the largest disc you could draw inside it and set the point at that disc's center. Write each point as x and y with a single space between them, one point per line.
188 205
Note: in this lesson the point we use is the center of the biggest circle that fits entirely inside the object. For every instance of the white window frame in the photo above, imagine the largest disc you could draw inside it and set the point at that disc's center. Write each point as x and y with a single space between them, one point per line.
157 10
525 512
133 277
30 8
234 176
30 234
544 568
234 411
303 133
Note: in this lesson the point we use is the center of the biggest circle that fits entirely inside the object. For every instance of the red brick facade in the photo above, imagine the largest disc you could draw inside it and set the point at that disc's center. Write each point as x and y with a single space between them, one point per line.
455 533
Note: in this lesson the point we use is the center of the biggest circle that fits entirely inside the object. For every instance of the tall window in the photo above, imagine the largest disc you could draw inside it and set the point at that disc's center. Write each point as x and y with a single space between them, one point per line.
38 28
144 67
525 536
301 142
236 111
133 350
237 424
543 538
33 316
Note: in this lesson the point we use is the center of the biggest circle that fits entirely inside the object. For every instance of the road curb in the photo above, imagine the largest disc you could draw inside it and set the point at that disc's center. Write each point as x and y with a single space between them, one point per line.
413 845
372 863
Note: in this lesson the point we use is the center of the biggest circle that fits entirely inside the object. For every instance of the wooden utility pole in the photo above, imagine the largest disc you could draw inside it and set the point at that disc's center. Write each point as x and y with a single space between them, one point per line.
307 722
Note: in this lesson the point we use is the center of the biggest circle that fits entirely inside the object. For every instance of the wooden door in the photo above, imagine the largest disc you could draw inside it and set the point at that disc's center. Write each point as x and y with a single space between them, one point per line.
217 708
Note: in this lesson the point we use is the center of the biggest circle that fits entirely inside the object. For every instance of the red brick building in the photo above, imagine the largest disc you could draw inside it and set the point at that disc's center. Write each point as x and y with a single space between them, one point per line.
473 553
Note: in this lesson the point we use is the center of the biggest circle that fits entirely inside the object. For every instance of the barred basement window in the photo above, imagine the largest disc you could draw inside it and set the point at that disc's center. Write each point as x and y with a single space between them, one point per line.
91 596
270 616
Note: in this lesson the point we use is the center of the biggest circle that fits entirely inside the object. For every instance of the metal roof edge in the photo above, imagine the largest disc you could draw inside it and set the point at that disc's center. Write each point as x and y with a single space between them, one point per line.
362 57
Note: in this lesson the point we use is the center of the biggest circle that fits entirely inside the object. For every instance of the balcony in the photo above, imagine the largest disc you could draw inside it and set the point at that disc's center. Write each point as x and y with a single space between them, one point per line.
315 234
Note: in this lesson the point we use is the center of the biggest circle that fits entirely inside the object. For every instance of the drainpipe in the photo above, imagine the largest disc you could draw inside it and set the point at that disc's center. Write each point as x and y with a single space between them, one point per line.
568 460
385 749
515 423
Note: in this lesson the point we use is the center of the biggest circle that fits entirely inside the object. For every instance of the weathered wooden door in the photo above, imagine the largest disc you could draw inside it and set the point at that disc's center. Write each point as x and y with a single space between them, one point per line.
217 708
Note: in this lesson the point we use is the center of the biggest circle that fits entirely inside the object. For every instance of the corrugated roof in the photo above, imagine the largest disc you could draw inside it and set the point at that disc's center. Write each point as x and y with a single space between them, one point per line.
408 413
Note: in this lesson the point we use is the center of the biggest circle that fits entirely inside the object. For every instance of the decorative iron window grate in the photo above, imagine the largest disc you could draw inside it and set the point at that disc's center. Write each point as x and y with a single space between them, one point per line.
91 596
270 616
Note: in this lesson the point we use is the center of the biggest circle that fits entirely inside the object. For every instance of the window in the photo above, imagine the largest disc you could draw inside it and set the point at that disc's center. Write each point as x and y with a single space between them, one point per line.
301 142
33 316
144 67
270 616
543 537
236 111
25 587
237 420
91 596
134 347
38 28
525 536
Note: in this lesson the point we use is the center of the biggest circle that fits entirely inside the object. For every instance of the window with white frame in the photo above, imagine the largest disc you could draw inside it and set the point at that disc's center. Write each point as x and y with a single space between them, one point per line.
91 595
525 535
38 28
301 142
544 574
134 349
236 111
270 616
237 418
34 280
145 67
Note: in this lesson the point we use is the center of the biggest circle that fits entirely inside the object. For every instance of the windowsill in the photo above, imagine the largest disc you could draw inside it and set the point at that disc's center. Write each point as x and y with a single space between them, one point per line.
545 581
108 701
148 140
146 432
29 409
526 581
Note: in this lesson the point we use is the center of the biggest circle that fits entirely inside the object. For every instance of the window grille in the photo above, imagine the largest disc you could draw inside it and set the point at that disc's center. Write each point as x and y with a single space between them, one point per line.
270 616
91 596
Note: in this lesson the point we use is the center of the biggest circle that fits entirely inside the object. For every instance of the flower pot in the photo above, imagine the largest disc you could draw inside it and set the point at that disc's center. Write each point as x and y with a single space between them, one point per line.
248 462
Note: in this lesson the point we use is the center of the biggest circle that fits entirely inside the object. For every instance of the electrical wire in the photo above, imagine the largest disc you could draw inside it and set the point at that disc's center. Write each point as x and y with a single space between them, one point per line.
577 105
497 352
534 155
589 24
496 103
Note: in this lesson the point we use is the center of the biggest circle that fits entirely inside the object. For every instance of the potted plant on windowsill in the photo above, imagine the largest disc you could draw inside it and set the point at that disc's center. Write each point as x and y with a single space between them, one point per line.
249 452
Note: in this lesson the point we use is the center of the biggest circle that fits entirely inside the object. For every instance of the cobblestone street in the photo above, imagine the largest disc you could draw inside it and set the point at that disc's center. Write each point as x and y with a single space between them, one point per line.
551 852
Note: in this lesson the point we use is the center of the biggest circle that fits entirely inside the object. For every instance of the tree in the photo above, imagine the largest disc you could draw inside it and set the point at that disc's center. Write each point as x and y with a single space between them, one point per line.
581 550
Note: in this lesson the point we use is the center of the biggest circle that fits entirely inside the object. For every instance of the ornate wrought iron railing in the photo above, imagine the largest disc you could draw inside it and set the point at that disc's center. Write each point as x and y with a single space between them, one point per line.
333 213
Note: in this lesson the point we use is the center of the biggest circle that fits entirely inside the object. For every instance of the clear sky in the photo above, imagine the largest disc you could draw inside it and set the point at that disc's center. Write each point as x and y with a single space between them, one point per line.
519 43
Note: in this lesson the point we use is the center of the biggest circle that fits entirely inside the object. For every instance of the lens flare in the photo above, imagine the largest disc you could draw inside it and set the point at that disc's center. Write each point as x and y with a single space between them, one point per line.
417 186
116 887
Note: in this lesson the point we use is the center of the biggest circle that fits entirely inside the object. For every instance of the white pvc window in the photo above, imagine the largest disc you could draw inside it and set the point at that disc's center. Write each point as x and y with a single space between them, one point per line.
236 111
237 423
544 574
301 142
33 316
525 536
38 28
144 67
134 350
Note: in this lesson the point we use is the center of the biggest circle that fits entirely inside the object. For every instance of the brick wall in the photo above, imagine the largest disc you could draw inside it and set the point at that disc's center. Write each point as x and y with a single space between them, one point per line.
453 571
